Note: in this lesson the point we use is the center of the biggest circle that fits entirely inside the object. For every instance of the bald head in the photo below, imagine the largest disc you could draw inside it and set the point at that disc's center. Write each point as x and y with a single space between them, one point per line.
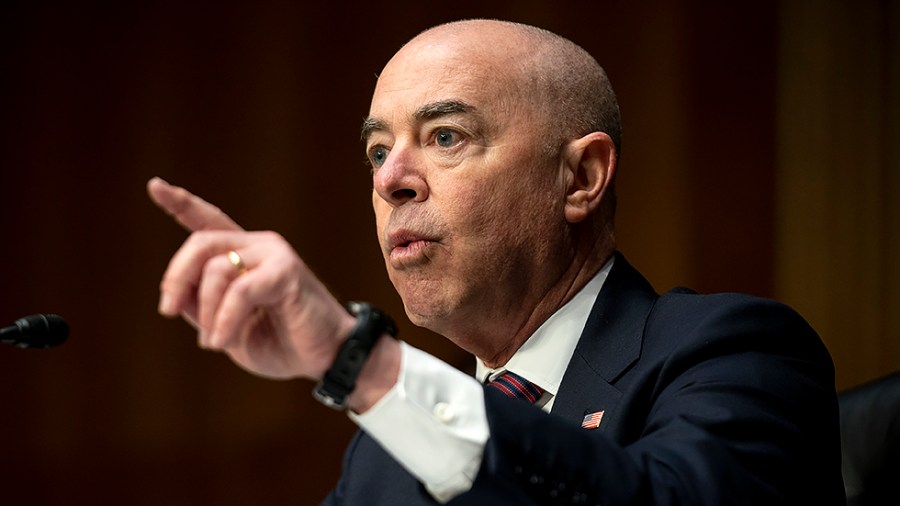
555 76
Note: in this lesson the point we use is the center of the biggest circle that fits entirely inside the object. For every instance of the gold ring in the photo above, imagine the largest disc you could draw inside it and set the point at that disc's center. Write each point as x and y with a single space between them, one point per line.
237 261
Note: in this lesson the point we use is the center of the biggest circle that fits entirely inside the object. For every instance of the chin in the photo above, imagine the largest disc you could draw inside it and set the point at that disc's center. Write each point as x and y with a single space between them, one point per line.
420 316
430 312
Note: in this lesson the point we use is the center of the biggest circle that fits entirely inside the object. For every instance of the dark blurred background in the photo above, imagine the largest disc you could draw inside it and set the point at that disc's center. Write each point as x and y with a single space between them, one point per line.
761 155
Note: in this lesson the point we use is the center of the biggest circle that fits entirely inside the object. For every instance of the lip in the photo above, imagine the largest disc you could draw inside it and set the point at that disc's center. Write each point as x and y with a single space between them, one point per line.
405 246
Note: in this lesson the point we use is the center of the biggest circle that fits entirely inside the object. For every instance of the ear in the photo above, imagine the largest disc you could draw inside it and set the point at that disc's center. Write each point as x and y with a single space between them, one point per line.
589 171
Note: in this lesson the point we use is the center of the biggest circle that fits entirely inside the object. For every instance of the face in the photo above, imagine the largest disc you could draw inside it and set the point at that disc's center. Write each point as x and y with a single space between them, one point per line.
468 204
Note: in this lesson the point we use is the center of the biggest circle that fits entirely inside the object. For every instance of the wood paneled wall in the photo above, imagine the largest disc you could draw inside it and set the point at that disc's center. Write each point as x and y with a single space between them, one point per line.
838 216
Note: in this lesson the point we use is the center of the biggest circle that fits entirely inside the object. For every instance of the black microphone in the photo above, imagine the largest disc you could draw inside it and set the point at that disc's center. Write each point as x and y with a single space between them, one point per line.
36 331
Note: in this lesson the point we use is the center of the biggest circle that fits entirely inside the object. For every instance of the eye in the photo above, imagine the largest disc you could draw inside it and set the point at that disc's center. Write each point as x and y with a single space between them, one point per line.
378 155
445 138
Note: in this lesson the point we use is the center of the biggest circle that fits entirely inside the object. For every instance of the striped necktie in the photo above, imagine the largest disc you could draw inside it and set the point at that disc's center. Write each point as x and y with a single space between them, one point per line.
516 386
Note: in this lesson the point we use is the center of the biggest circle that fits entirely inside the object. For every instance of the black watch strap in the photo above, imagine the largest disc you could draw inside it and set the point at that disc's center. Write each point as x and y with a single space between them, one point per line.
340 379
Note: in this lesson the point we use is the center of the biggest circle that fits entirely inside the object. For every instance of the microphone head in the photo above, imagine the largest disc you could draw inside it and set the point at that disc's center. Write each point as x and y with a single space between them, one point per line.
41 331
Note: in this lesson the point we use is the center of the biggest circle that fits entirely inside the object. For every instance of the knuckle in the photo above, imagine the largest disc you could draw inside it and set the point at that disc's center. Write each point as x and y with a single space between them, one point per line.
217 266
240 289
170 284
271 236
200 240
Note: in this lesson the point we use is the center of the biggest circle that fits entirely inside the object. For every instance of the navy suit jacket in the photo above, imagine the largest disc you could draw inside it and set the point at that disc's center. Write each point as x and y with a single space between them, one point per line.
707 400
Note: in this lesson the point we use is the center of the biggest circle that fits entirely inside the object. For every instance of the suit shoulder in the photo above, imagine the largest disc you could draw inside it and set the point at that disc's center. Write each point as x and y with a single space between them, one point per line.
689 306
739 320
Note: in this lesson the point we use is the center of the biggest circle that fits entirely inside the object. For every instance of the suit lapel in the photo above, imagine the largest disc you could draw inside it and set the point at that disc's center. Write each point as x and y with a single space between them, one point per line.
609 345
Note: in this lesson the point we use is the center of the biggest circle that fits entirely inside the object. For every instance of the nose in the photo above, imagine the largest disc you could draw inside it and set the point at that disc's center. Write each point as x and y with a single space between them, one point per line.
401 178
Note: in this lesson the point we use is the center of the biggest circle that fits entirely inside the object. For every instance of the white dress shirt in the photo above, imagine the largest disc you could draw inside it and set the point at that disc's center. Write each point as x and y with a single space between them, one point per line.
435 410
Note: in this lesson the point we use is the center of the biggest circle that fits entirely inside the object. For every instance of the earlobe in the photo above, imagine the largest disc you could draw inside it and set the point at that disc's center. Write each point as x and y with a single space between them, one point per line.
591 162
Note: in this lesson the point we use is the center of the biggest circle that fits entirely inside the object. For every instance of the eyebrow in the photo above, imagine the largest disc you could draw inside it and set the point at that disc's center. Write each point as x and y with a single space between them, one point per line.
442 108
370 126
426 112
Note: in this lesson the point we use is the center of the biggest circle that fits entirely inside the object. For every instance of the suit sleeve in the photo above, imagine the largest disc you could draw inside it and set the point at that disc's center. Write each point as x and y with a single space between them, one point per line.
731 402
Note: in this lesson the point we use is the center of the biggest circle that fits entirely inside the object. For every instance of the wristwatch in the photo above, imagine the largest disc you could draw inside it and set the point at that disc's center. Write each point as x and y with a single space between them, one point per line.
340 379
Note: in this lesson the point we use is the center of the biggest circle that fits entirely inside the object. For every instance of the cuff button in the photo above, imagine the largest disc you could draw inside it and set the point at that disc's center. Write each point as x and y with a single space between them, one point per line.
444 412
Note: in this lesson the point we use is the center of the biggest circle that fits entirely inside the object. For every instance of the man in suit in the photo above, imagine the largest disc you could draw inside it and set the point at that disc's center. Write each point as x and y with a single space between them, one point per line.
494 150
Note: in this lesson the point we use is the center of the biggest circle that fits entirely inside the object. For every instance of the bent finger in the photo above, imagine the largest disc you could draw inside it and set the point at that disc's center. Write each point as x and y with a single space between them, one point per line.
182 277
218 273
237 311
262 286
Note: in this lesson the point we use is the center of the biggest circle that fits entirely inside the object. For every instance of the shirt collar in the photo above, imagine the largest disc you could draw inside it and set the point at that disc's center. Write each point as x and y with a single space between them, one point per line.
543 358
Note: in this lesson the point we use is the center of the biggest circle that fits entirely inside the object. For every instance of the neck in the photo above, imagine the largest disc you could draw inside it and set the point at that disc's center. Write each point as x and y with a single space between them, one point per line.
583 267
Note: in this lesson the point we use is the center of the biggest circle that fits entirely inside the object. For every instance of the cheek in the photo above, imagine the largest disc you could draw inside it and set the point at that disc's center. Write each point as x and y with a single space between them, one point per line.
382 214
505 205
473 207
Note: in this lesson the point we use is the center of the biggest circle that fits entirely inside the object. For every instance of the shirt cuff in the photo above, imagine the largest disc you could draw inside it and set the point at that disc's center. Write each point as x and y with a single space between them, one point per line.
432 422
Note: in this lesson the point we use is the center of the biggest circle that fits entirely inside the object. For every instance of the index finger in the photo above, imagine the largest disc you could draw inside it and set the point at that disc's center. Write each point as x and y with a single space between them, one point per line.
192 212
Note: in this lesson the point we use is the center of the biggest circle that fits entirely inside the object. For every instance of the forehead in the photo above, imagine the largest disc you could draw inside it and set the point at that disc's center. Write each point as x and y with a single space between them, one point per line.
446 70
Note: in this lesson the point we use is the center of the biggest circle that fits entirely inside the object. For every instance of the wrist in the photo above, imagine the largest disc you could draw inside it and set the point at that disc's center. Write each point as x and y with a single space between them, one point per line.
378 376
340 380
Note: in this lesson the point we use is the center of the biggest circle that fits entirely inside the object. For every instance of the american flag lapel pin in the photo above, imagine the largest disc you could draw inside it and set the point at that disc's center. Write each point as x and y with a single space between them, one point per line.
592 420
